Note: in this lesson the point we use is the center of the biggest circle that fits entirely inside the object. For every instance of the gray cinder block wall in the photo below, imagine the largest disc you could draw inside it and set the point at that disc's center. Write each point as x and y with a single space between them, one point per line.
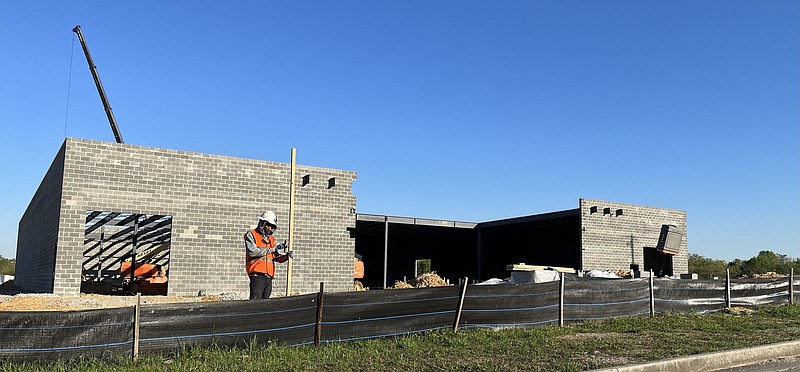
212 199
38 231
606 238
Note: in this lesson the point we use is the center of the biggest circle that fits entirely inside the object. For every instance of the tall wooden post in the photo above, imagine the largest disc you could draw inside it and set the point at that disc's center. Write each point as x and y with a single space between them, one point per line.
292 170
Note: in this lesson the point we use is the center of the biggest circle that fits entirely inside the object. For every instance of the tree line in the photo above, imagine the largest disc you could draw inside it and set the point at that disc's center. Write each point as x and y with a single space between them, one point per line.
7 266
764 262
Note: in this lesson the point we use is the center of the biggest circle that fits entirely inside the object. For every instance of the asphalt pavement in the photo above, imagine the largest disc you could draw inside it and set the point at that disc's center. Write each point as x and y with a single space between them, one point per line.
791 364
784 356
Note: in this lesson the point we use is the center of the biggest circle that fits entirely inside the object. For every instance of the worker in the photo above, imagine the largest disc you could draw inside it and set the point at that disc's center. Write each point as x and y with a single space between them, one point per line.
262 253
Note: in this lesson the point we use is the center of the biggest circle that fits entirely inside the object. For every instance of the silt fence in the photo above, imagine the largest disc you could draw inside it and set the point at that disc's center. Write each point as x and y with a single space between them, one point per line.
318 318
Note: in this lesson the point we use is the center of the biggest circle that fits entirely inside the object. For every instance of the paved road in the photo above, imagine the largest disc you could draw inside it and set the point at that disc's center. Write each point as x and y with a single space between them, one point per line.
779 357
773 365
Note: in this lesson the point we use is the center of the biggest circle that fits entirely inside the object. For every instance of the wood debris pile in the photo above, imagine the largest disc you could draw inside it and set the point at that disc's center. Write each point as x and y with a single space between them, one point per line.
399 284
624 274
767 275
738 310
422 281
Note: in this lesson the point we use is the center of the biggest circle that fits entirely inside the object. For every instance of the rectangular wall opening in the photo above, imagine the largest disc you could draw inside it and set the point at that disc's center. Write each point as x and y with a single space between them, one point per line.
126 253
659 262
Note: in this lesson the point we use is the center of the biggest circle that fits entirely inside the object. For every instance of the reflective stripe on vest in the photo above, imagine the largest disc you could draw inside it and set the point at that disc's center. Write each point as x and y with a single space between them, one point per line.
261 265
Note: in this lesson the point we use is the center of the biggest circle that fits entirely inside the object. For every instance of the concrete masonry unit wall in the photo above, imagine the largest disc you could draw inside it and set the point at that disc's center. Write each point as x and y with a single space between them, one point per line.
37 236
606 238
213 201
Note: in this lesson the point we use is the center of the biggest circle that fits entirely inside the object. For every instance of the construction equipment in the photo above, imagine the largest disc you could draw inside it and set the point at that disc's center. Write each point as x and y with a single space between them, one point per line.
99 85
143 273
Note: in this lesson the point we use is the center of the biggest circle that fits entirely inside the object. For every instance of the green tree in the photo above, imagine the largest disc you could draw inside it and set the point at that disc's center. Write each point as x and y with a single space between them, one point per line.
737 268
764 262
706 268
7 266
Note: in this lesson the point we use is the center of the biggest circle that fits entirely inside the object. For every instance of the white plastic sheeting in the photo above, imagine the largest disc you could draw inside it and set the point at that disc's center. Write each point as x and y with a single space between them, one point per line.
535 276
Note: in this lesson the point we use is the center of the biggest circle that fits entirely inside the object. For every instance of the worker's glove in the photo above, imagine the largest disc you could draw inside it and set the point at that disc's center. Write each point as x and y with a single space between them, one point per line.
281 248
290 254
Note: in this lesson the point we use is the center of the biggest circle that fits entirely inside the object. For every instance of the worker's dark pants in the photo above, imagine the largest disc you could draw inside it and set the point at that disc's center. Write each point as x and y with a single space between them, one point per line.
260 286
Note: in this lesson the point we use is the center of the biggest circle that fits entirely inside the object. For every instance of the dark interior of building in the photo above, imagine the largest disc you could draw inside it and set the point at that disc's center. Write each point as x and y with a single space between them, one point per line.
452 251
551 239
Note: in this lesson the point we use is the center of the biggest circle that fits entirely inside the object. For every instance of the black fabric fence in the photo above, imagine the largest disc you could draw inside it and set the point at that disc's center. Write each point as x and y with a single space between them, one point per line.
300 320
48 335
524 305
596 299
357 315
166 327
694 295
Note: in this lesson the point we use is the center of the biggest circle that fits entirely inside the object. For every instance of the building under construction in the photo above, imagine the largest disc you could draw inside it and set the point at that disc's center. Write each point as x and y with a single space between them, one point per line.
102 206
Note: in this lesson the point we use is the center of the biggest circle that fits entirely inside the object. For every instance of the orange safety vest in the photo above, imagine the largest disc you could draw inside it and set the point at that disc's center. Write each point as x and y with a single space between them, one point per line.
264 264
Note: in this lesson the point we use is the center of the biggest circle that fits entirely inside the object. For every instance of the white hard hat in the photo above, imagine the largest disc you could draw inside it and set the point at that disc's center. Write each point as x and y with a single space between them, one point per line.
269 217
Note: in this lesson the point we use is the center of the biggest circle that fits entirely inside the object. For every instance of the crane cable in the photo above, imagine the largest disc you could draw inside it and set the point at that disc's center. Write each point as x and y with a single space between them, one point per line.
69 83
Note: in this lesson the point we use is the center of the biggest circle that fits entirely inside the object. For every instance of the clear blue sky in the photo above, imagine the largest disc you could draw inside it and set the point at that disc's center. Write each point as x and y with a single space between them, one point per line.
459 110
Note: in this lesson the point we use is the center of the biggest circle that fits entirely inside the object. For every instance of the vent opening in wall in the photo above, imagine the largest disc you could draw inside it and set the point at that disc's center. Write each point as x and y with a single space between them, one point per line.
331 182
126 253
306 179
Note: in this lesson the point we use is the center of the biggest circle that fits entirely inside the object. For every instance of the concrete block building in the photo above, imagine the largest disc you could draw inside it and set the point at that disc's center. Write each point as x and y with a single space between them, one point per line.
598 235
192 208
102 204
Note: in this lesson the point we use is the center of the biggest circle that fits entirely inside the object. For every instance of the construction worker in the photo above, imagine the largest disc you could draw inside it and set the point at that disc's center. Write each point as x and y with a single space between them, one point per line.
262 253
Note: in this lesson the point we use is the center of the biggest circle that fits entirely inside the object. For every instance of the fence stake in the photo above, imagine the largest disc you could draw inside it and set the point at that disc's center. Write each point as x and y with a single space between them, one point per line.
561 301
728 288
791 286
460 304
318 325
652 296
136 311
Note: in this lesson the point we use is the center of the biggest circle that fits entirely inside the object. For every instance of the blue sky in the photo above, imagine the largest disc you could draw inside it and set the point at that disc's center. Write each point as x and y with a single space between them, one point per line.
462 110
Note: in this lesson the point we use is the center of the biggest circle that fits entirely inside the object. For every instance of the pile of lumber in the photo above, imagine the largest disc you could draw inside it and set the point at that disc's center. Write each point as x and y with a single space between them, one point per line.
423 281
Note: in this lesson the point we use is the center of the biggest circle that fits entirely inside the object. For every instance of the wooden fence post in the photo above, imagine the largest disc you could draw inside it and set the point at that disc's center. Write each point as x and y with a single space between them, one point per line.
136 322
791 286
460 304
652 296
728 289
561 300
318 325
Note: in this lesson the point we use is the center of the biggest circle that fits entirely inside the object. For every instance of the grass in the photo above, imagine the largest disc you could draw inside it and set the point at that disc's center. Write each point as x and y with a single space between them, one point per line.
576 347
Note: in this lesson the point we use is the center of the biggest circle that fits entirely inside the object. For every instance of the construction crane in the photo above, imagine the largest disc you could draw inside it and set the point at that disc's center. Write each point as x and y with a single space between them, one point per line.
99 85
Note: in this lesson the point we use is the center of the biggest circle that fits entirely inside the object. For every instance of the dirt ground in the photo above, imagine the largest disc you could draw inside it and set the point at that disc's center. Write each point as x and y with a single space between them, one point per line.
12 301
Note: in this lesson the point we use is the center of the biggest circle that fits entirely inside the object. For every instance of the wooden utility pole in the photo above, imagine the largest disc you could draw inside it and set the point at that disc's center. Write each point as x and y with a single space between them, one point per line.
291 222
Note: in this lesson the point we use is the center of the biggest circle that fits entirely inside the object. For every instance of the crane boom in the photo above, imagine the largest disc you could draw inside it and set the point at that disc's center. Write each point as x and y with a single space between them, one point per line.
99 85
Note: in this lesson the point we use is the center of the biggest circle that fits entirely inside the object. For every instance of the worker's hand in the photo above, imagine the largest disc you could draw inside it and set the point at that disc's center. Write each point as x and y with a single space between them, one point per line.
290 254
